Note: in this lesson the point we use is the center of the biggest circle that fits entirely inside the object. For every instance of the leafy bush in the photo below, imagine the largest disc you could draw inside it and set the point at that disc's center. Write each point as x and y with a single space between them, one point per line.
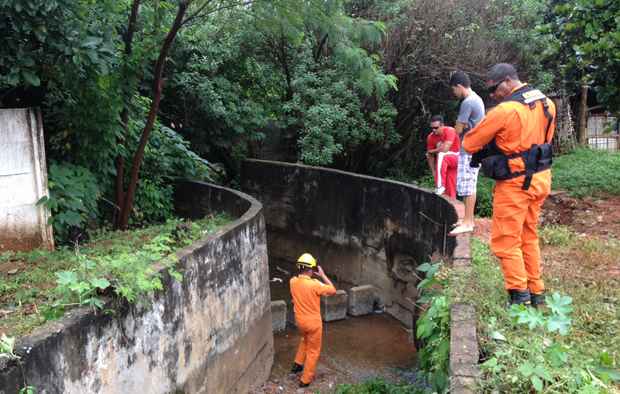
153 203
329 106
433 327
74 194
484 197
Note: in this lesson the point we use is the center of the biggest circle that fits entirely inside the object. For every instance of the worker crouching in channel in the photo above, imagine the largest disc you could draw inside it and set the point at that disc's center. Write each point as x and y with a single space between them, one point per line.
306 293
513 144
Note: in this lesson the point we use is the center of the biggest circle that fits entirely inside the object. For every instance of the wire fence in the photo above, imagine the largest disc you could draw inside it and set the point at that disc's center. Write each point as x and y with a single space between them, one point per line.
603 133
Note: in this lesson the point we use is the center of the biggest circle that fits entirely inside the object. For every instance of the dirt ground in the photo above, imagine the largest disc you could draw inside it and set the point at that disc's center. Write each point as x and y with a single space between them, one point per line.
591 219
589 216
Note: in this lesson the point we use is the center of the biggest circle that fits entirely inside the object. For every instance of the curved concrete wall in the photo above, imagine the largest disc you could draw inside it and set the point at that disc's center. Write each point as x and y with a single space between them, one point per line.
210 333
364 230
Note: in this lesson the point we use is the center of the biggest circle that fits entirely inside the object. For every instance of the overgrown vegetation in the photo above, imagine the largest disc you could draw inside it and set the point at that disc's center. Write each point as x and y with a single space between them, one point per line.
38 286
131 89
433 326
587 172
568 347
376 386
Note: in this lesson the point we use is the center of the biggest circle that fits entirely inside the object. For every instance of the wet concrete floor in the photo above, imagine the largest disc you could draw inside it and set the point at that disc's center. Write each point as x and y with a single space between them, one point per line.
354 350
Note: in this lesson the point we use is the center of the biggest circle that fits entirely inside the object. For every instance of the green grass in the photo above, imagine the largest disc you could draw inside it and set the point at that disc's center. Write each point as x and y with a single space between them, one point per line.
511 351
30 293
377 386
586 172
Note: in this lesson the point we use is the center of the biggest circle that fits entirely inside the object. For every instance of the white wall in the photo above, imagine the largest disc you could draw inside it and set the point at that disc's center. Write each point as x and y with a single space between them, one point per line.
23 181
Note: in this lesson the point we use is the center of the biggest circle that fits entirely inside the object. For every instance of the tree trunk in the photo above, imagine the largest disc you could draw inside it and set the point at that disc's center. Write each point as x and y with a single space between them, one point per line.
148 127
583 115
120 160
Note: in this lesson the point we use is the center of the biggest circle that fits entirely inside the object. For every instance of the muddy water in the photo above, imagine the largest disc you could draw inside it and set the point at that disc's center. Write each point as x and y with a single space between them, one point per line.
354 350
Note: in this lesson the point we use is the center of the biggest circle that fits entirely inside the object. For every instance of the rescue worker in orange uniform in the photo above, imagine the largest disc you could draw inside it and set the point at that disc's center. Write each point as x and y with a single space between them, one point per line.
306 292
513 144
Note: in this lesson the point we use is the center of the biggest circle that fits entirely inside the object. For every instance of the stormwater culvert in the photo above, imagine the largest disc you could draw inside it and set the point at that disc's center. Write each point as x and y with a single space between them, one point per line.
369 235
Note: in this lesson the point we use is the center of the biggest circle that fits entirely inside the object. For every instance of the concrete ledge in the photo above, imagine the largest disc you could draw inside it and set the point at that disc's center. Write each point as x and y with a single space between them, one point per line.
211 332
334 307
362 300
278 315
464 354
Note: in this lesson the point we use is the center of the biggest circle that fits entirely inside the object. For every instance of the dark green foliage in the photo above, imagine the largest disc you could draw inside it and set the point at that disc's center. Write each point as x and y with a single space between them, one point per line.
484 197
433 327
587 45
47 40
73 200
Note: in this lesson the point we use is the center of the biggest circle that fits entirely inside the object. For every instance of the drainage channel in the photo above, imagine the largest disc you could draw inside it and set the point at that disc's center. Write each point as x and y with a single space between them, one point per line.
354 349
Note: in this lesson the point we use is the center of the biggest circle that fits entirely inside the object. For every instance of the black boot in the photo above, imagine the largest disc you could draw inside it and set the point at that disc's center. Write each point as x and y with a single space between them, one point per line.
519 297
302 384
297 368
537 299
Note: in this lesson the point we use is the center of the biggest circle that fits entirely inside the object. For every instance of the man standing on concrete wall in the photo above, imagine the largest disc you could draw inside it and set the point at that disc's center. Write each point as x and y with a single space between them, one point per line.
471 113
513 143
306 293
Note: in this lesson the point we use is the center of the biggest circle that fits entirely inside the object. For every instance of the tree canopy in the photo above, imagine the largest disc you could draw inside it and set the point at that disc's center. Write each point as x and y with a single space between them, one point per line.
135 93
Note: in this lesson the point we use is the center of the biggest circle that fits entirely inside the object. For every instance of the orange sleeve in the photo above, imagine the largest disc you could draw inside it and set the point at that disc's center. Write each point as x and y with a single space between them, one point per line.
323 289
485 131
553 111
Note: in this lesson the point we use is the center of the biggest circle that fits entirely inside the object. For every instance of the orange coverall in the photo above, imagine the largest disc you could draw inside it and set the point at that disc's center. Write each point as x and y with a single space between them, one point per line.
514 239
306 293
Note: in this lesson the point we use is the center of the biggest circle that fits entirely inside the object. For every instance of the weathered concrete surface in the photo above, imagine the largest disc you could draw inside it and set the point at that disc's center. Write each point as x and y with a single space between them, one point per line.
363 230
334 307
211 333
278 315
464 353
463 349
362 300
23 181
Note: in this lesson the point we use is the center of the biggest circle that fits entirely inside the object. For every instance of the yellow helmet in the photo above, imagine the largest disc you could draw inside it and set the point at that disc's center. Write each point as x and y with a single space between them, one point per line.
306 260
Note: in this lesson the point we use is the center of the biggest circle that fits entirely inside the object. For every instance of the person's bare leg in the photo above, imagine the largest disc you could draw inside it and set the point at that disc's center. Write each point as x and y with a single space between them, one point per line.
432 165
470 204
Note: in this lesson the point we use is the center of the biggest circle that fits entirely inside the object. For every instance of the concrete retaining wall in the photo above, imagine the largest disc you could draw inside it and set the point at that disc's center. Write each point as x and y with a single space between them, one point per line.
211 333
363 230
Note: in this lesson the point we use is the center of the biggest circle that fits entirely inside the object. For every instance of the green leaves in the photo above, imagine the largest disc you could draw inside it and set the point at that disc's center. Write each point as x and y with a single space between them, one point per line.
7 346
433 328
559 320
559 323
74 194
533 318
559 304
536 374
589 46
